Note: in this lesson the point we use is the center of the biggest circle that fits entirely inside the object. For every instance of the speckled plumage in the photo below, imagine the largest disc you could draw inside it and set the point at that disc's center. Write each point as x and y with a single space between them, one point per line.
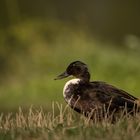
95 98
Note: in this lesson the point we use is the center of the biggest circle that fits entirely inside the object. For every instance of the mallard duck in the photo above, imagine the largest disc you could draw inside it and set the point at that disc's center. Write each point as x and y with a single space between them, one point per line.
94 98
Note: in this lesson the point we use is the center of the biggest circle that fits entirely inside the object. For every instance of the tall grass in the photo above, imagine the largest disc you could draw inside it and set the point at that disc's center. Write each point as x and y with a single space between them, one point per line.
36 123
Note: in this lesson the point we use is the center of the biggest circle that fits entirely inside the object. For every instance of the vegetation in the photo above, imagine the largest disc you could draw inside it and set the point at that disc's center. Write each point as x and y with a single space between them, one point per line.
38 39
37 124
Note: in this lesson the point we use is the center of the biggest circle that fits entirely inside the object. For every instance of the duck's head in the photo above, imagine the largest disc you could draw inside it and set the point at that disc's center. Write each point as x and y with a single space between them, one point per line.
77 69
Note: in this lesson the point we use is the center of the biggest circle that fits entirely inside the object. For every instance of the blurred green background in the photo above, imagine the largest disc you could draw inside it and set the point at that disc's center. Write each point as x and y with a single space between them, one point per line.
38 39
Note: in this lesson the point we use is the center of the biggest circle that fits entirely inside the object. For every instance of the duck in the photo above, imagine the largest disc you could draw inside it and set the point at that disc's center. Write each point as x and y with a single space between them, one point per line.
95 99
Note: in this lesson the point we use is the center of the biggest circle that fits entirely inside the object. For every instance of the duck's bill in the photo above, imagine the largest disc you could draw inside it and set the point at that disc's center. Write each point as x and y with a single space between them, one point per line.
61 76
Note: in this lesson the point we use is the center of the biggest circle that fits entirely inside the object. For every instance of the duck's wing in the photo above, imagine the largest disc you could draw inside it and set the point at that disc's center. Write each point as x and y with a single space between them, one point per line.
110 95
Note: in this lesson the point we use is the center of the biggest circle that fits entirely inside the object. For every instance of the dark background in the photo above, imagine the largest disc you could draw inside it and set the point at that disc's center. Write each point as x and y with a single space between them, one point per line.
108 20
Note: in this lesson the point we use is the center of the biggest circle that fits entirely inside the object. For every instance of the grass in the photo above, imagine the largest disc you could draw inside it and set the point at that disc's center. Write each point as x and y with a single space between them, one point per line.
37 124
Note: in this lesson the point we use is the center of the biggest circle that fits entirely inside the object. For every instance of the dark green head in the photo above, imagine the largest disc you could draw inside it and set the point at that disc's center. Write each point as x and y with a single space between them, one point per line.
77 69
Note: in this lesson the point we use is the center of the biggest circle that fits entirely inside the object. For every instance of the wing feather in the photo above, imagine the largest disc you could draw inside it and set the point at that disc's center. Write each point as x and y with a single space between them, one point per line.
106 93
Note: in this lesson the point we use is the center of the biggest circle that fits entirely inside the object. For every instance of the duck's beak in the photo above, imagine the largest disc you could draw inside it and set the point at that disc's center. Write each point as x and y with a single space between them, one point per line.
61 76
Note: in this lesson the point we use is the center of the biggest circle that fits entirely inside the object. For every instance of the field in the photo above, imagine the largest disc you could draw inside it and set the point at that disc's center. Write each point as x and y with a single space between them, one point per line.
36 124
31 102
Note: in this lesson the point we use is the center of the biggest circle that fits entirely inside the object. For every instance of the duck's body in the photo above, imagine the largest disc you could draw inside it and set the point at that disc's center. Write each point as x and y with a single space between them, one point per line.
94 98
